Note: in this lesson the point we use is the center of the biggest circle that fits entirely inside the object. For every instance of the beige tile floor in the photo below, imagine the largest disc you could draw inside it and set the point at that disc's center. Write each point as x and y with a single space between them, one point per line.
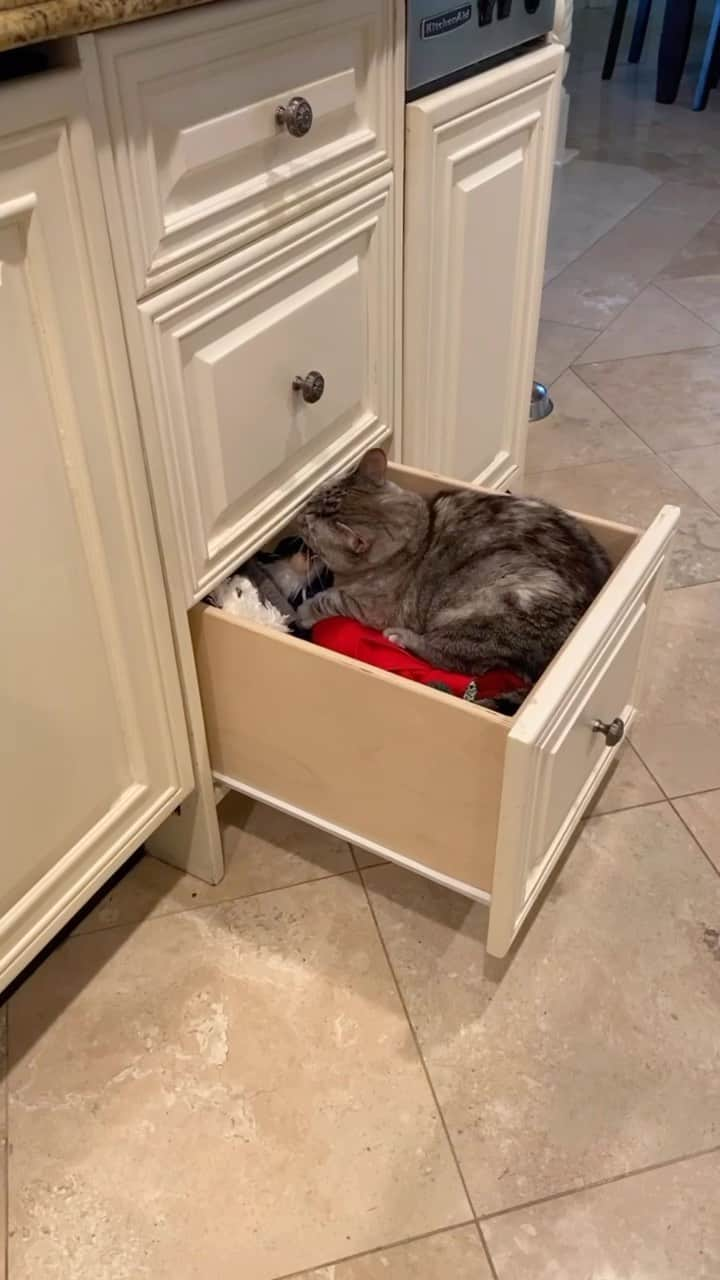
306 1071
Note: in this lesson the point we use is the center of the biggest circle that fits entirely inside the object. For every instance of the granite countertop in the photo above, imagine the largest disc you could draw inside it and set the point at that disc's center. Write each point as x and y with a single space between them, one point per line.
25 23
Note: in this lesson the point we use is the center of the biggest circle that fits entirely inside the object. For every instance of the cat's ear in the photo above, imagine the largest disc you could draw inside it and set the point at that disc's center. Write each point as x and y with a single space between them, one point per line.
355 542
374 466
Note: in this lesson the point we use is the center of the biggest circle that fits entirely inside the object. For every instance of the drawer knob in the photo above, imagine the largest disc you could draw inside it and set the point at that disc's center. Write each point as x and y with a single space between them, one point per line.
311 386
296 117
614 732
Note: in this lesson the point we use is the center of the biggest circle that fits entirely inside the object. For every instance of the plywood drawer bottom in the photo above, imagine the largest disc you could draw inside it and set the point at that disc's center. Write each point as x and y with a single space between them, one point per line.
480 801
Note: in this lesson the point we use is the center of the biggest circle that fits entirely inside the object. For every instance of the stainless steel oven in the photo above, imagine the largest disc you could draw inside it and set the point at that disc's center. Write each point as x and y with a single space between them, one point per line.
446 42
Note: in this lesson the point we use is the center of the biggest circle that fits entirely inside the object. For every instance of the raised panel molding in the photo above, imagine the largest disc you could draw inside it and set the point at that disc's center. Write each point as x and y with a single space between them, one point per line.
241 448
553 762
95 750
202 165
477 196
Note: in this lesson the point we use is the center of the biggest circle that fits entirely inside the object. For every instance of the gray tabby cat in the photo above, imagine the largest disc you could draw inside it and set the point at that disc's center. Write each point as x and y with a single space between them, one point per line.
468 581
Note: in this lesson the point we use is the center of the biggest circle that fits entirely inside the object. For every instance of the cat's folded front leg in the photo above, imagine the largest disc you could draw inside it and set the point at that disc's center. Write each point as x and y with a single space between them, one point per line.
326 604
404 638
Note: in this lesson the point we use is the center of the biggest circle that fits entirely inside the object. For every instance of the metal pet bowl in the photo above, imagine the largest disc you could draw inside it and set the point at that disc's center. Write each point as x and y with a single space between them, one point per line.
541 406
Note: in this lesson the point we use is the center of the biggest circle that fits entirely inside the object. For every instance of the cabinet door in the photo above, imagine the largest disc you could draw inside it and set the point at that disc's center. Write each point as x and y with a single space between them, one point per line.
93 739
244 442
478 178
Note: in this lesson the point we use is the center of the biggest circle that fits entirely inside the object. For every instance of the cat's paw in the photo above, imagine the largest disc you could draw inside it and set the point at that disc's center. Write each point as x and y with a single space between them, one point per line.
306 616
400 636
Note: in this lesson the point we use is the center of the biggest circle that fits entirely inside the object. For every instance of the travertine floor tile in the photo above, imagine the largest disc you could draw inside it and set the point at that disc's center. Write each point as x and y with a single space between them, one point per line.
633 491
660 1225
264 849
702 815
595 288
700 294
627 784
671 401
581 429
452 1255
589 199
227 1092
557 346
597 1052
693 277
700 468
678 731
652 323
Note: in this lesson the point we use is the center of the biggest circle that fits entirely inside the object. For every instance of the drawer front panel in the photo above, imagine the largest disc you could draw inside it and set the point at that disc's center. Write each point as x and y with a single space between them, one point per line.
203 162
243 446
410 772
554 759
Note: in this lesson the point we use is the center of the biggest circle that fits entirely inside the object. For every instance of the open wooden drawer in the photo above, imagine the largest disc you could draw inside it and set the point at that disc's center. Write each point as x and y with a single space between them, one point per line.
481 802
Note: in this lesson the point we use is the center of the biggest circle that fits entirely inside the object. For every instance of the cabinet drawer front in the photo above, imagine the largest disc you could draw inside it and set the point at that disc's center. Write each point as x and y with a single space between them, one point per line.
556 757
243 447
478 801
202 161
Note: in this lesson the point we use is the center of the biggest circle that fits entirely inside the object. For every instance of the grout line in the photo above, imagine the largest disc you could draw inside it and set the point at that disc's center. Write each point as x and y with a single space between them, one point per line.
381 1248
420 1054
687 795
626 808
578 373
203 906
636 456
684 306
649 355
688 586
694 839
648 283
652 279
664 458
641 204
690 448
669 800
369 866
656 780
486 1250
600 1182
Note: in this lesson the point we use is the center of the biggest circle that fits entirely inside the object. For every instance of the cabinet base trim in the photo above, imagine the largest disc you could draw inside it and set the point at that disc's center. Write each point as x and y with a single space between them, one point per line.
342 833
43 911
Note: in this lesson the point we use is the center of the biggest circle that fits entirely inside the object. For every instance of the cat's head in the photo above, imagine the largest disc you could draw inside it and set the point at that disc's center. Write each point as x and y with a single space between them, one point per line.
363 519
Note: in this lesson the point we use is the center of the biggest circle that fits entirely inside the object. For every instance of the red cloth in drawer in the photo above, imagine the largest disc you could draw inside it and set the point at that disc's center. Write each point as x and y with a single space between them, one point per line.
344 635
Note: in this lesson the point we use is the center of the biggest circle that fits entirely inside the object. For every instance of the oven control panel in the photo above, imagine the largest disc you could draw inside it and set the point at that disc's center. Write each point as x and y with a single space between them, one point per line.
445 41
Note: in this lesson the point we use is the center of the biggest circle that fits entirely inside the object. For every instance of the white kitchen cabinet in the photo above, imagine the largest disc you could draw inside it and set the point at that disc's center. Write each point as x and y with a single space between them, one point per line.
94 743
247 431
479 159
228 121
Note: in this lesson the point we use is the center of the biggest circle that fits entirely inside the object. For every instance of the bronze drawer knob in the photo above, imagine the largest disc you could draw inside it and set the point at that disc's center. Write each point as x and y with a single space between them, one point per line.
296 117
613 732
311 386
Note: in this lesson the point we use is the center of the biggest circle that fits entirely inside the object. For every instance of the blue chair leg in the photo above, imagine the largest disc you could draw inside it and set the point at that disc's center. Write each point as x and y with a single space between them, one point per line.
639 30
674 44
715 68
702 92
616 31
